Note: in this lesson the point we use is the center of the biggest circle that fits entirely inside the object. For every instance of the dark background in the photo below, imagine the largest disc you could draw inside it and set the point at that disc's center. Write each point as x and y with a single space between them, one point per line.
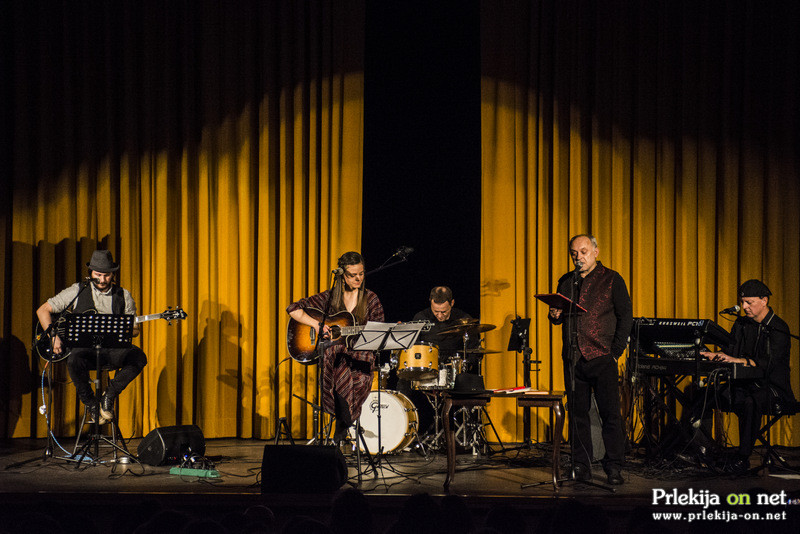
422 165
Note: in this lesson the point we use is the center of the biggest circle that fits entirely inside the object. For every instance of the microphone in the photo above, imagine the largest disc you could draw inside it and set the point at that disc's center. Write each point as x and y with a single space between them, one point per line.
88 280
338 271
733 310
404 251
576 272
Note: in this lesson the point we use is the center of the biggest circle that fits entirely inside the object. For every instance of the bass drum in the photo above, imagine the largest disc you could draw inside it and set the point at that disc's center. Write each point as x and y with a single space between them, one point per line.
398 422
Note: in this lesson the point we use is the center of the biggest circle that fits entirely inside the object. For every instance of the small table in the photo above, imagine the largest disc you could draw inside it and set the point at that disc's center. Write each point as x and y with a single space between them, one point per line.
449 436
553 400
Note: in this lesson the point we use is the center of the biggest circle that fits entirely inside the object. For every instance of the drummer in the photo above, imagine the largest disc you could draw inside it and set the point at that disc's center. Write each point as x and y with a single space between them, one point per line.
444 315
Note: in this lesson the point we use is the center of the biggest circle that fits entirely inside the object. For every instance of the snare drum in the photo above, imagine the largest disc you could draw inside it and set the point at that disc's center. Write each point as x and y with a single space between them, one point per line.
398 421
445 380
419 362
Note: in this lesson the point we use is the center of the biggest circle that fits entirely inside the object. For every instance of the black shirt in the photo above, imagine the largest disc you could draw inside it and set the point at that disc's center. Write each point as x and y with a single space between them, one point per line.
768 344
448 344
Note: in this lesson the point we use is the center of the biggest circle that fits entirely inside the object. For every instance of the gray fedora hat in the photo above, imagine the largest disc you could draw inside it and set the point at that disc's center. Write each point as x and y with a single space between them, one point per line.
102 262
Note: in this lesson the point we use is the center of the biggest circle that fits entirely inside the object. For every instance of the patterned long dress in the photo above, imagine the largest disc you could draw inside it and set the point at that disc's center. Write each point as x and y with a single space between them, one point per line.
347 371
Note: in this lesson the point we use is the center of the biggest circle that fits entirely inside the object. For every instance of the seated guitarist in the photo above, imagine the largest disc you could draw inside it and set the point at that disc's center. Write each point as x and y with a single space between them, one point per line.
104 297
346 373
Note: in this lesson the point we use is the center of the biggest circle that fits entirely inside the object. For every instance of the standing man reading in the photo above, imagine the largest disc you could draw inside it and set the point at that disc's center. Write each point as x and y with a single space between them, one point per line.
592 344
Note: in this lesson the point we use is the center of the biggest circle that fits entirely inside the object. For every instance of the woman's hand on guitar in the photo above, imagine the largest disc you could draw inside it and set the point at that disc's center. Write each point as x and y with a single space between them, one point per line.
326 331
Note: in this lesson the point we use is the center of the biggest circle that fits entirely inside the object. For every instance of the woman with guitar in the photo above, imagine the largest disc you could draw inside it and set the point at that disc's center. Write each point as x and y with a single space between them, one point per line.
346 373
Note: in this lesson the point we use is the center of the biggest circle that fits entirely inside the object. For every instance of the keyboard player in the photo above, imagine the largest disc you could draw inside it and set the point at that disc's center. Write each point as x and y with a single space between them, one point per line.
760 339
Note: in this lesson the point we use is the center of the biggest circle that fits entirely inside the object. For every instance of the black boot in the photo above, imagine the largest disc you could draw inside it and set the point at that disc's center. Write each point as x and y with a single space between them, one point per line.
107 407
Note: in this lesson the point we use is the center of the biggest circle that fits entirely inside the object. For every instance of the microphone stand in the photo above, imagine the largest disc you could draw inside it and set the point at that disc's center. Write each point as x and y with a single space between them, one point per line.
48 451
389 263
318 418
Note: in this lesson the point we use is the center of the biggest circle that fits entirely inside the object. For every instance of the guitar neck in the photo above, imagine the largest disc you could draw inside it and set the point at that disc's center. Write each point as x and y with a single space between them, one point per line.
351 330
145 318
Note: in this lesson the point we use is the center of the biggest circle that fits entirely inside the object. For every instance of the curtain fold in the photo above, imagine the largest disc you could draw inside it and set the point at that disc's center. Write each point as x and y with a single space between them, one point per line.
217 153
669 131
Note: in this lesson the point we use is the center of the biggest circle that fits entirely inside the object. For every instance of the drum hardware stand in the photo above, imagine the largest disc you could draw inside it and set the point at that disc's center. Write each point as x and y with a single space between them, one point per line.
100 331
570 315
474 432
435 440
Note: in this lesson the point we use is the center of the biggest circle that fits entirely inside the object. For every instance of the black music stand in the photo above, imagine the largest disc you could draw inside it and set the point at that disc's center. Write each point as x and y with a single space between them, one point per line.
518 342
99 331
377 337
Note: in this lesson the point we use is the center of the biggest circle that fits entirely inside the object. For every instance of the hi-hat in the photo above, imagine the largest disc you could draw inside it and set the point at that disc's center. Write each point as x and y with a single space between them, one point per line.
472 329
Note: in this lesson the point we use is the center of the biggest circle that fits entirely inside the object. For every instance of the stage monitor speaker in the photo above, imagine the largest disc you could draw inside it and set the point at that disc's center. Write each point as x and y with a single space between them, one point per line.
302 469
168 445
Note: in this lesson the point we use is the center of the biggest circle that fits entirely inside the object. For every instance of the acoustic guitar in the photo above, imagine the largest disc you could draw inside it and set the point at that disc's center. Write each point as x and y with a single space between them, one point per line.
301 339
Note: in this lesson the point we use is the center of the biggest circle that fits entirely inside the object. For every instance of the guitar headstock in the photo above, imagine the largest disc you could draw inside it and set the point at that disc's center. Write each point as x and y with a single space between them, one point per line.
176 314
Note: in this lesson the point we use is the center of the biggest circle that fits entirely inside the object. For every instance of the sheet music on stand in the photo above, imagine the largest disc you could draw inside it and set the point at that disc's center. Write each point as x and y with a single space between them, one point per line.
113 331
387 336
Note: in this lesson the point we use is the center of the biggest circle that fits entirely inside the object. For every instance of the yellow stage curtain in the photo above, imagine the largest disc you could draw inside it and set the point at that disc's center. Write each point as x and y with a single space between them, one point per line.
217 152
669 131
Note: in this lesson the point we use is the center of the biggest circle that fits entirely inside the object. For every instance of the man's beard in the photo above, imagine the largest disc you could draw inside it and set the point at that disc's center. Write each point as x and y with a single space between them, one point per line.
97 285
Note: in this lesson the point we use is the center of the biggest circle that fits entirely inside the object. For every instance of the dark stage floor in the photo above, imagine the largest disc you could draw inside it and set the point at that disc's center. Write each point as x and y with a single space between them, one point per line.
484 480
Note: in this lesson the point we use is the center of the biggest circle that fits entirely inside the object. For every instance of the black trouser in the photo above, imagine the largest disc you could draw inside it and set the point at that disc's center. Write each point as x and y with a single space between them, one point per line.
601 376
749 403
129 363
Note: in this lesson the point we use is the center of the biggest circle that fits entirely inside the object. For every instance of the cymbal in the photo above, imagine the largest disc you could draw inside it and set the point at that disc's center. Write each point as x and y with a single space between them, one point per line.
469 328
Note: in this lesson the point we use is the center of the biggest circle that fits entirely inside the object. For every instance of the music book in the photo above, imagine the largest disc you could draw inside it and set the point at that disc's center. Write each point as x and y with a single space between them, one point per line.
521 389
557 300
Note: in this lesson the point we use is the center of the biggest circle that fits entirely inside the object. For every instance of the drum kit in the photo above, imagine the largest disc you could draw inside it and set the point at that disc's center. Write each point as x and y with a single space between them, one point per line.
421 364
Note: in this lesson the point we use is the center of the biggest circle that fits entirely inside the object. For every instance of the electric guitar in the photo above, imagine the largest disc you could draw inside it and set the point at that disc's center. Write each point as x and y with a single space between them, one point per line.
301 339
43 345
